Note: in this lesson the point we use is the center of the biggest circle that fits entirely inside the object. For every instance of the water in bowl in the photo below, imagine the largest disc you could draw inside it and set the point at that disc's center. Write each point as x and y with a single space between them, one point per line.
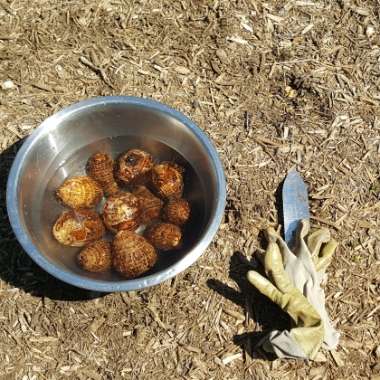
75 165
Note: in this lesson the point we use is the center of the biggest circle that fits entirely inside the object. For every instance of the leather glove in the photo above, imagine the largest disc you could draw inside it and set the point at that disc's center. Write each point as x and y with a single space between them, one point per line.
294 285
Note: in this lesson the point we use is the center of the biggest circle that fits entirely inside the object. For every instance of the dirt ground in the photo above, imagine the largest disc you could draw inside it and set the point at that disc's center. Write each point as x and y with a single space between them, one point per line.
274 84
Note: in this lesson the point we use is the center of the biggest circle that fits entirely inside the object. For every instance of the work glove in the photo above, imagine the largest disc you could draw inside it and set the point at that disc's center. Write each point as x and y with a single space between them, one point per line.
294 283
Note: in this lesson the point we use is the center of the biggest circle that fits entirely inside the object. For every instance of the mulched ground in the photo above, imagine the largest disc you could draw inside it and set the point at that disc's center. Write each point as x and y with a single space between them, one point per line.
274 84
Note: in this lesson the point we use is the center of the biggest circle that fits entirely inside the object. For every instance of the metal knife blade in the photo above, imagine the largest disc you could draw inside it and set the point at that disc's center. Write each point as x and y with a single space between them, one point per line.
295 203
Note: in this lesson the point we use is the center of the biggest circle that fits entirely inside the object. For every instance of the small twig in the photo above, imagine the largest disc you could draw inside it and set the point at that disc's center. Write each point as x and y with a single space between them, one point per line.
14 131
96 70
235 314
157 318
247 121
8 38
89 64
265 141
373 311
359 275
324 221
41 87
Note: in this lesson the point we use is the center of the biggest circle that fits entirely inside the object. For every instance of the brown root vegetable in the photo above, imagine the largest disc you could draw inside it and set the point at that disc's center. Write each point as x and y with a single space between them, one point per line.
177 211
77 228
96 257
134 166
150 205
80 192
122 212
133 255
167 179
100 167
164 236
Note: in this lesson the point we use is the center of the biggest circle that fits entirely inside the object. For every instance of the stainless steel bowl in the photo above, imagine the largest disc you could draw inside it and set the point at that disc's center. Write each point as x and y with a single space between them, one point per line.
60 147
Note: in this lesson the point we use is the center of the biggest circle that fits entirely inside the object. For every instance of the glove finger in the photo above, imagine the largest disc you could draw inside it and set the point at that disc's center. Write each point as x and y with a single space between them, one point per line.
275 237
303 229
326 255
271 235
274 268
302 250
315 240
265 287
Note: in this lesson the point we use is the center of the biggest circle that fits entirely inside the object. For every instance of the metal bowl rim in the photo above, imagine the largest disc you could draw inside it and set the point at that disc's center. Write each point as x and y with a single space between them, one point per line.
124 285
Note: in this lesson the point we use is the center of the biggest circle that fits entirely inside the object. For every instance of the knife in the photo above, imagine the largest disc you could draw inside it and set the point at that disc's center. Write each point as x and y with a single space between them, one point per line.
295 204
